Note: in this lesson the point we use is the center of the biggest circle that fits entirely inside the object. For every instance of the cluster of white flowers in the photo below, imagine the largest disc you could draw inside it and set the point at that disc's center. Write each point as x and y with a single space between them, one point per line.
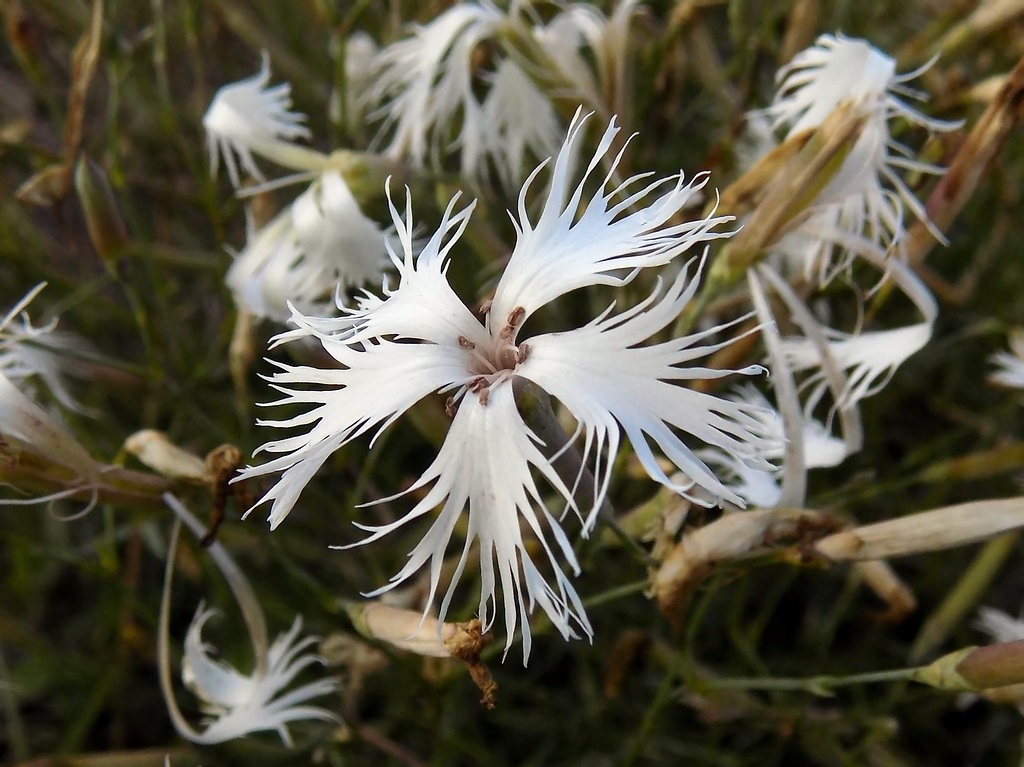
489 85
858 216
433 93
426 84
319 244
867 195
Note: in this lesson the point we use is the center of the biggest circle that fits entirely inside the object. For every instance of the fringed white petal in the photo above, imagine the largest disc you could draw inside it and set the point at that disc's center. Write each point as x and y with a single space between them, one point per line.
869 358
608 381
239 705
485 465
247 115
604 243
835 69
377 384
424 82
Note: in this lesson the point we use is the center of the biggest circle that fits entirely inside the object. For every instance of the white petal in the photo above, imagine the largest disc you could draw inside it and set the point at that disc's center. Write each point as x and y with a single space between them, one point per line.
485 464
834 70
604 244
246 115
216 683
377 384
31 354
322 242
519 121
870 358
423 82
607 381
240 705
1010 364
423 307
1000 626
757 487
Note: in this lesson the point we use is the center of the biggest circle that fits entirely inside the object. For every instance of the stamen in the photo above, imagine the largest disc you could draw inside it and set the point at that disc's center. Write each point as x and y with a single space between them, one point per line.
449 407
515 317
465 343
484 362
485 393
522 353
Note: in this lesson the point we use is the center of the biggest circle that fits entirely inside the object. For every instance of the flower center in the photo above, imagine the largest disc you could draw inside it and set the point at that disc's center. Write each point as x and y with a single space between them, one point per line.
495 362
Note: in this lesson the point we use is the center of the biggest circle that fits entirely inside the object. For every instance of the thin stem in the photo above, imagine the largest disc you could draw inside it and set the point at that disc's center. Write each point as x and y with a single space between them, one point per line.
628 589
816 685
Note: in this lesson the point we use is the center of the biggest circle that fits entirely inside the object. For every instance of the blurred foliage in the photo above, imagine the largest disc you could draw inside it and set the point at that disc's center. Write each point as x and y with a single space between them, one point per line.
79 600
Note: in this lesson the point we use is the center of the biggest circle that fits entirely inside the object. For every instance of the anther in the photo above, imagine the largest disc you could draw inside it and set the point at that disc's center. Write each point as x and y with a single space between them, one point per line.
522 353
485 394
515 318
449 407
478 383
465 343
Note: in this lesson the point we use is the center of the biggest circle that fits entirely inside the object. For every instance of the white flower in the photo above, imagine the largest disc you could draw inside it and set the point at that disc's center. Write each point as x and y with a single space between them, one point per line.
1011 364
319 244
420 338
870 359
867 194
760 487
30 354
579 35
424 80
429 84
237 704
250 116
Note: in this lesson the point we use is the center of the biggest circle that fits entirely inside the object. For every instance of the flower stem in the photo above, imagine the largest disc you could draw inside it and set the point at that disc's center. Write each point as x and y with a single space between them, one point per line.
817 685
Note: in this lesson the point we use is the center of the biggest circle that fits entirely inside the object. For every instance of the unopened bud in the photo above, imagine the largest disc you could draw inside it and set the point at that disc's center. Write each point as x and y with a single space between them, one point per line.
154 449
102 214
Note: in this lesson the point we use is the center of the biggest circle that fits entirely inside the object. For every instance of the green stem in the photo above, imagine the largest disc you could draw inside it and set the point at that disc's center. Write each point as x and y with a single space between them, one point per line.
817 685
628 589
